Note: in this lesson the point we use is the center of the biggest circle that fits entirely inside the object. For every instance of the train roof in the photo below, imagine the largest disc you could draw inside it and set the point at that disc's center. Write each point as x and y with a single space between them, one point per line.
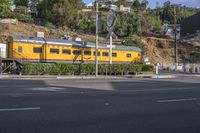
50 41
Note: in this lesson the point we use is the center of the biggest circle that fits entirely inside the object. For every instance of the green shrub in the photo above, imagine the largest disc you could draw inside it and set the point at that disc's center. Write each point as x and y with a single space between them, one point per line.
147 68
23 17
26 68
78 69
102 69
133 69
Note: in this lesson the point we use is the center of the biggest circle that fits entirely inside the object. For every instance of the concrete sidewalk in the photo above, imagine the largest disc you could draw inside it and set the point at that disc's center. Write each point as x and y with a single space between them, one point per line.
145 75
84 77
57 77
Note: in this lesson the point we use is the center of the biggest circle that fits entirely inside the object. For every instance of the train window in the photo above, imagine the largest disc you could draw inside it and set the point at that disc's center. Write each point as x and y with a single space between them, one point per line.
87 52
97 53
105 54
54 51
114 54
20 49
37 50
128 55
77 52
66 51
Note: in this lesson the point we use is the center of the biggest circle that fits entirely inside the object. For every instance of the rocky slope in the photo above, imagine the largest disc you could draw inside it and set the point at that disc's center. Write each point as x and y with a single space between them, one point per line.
159 50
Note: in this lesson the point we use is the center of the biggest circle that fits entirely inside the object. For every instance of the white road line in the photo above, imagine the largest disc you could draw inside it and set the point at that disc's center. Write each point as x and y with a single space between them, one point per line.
177 100
20 109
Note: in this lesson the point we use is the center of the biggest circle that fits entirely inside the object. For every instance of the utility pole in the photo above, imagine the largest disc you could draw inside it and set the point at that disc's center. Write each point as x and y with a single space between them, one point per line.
97 39
175 36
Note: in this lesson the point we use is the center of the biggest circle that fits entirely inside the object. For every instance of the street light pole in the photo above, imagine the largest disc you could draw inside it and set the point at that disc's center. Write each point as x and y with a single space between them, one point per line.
97 39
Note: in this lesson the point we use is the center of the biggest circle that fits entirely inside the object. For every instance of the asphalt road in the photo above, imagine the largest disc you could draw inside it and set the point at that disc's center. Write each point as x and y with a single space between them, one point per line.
100 106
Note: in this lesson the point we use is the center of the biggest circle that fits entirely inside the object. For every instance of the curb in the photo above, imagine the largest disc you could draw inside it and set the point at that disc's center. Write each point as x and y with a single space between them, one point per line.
86 77
163 76
156 76
59 77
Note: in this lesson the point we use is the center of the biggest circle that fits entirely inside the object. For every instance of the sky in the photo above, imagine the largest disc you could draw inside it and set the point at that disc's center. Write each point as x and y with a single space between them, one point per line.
153 3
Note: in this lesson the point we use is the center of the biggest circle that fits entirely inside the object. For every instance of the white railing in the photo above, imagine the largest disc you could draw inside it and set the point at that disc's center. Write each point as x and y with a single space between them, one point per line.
185 67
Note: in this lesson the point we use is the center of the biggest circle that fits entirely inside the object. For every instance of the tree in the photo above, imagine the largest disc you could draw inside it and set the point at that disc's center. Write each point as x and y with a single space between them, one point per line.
21 2
61 12
21 9
167 15
154 21
121 2
144 4
128 24
167 3
4 7
136 5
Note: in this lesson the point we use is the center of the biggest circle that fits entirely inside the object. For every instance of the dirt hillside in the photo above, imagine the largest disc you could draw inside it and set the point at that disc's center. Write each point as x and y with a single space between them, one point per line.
159 50
24 29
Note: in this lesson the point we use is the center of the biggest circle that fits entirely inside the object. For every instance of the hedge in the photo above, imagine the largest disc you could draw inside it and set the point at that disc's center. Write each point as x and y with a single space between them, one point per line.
83 69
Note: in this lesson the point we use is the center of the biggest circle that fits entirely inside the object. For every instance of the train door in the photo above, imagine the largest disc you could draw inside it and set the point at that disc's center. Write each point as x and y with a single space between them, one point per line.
2 50
10 48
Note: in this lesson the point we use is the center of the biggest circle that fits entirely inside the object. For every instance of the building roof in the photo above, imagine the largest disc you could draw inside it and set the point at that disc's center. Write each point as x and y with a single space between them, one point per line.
70 43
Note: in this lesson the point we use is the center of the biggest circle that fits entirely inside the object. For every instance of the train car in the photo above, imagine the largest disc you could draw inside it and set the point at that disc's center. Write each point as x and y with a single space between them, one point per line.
33 49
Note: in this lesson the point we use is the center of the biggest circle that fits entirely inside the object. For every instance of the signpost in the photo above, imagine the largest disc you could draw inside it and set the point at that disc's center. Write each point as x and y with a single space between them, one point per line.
111 19
110 24
98 26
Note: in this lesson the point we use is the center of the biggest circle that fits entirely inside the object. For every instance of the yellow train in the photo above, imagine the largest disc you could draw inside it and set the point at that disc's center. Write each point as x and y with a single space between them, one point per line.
33 49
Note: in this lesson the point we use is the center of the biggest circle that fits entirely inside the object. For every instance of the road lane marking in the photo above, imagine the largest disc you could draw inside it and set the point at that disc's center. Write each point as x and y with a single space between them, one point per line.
176 100
20 109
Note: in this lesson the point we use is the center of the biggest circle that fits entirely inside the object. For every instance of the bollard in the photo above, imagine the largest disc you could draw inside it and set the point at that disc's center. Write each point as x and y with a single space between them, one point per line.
193 68
198 69
157 68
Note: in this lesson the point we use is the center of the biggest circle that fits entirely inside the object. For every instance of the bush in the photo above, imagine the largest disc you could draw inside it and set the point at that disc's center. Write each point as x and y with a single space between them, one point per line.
27 18
147 68
23 17
86 69
134 69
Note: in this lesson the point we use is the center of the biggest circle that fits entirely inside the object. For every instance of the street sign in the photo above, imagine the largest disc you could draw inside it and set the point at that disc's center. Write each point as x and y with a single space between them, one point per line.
113 46
111 19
